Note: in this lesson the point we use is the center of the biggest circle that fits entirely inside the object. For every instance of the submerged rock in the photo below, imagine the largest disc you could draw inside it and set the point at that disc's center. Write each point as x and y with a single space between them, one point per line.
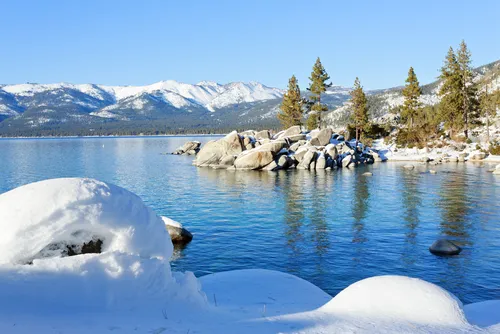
409 167
368 174
444 247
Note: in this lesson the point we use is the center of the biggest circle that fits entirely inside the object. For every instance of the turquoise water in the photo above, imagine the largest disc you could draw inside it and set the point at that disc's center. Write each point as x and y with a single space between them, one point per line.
331 227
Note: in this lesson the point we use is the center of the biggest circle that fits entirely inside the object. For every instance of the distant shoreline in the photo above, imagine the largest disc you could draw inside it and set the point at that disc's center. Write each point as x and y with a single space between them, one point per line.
114 136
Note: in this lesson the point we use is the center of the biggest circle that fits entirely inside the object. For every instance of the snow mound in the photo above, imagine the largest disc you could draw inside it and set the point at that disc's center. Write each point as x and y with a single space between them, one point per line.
258 292
400 299
42 219
75 244
484 314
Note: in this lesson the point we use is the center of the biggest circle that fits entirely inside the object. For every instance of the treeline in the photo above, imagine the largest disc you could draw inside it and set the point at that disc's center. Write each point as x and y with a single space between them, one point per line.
462 104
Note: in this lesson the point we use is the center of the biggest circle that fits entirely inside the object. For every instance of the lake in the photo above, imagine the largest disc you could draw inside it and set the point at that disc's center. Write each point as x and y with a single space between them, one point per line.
331 228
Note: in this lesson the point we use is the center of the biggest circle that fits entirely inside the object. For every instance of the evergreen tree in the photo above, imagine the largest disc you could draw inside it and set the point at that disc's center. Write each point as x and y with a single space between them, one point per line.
489 103
317 86
359 109
450 93
291 106
412 108
468 89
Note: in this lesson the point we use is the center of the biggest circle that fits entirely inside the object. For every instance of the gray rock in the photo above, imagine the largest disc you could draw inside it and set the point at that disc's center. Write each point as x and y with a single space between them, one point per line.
295 138
299 155
246 141
432 171
248 133
331 150
444 247
291 131
347 161
249 146
274 147
321 162
253 160
305 163
322 138
213 151
189 148
228 160
264 134
477 156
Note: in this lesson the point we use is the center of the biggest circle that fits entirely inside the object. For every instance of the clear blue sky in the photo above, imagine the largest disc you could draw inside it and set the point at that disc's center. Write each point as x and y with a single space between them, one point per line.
141 42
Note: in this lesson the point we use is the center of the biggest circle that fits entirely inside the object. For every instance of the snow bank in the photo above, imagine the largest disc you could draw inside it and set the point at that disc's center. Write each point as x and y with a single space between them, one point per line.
44 268
261 292
39 219
398 298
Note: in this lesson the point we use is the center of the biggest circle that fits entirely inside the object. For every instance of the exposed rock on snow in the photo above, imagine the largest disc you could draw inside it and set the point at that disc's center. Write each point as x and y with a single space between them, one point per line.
444 247
178 234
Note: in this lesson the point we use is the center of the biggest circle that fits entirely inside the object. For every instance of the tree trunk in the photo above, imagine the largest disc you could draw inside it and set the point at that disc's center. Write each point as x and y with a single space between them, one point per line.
319 111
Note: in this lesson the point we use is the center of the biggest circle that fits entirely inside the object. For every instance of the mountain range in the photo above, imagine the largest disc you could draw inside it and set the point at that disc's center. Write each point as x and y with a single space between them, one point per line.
33 109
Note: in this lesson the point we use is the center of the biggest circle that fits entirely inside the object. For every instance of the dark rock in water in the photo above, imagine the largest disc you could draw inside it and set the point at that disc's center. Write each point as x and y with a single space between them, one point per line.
179 235
444 247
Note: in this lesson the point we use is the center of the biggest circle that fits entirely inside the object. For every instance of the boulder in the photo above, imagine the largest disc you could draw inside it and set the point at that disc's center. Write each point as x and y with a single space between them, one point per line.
461 158
249 146
228 160
331 150
213 151
477 156
425 159
253 160
308 157
299 155
291 131
246 141
322 138
346 161
294 147
295 138
210 154
189 148
264 134
248 133
408 167
432 171
274 147
321 162
284 162
444 247
178 234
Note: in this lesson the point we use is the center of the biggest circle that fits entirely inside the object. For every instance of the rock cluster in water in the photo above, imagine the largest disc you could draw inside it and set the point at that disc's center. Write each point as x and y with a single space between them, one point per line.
189 148
291 148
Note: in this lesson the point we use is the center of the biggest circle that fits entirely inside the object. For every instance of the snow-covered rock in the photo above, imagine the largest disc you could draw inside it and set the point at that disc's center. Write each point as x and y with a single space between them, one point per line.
45 227
178 234
398 298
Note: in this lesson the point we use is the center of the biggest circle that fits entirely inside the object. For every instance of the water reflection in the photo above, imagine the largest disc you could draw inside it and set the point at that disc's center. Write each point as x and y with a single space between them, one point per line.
359 208
454 204
411 200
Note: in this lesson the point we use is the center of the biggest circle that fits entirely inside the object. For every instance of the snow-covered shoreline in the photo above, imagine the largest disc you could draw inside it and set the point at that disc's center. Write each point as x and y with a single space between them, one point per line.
53 279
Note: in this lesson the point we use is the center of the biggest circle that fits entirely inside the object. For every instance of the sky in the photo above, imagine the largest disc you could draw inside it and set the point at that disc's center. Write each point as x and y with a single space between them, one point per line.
142 42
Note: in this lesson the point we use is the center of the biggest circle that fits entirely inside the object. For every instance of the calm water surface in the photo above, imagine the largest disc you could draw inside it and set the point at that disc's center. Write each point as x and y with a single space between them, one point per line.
331 227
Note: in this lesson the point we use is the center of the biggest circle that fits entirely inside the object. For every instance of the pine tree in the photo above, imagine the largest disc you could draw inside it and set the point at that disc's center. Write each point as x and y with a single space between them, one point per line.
317 86
412 107
291 106
359 109
450 93
468 89
489 101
